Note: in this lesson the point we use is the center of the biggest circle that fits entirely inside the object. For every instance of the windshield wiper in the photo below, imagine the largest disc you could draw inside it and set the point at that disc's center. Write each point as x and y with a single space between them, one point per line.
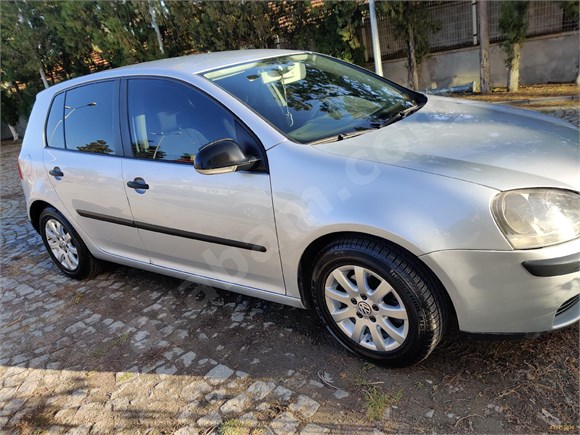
396 117
341 136
400 115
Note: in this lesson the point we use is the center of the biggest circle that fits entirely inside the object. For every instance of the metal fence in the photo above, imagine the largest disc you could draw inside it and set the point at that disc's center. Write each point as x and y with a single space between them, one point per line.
456 26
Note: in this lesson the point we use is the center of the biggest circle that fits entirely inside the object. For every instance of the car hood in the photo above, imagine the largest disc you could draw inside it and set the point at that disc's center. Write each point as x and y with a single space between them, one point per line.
495 146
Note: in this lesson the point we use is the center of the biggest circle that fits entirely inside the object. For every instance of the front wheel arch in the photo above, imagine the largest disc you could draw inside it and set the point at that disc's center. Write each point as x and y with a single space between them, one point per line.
396 284
306 268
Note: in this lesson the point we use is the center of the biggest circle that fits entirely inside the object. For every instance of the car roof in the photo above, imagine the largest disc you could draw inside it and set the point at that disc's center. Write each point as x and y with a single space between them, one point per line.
191 64
196 63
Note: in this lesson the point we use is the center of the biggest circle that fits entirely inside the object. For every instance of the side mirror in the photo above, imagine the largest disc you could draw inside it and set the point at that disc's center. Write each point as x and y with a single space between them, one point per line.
221 157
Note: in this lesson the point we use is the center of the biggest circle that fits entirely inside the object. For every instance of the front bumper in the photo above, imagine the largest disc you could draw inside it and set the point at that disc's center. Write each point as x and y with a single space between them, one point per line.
495 292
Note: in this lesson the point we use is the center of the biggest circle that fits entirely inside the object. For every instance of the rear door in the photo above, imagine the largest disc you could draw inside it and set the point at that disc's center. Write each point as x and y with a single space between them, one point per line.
218 226
83 157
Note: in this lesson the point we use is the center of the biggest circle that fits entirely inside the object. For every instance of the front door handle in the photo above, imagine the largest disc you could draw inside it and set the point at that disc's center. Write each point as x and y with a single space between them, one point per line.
56 172
138 184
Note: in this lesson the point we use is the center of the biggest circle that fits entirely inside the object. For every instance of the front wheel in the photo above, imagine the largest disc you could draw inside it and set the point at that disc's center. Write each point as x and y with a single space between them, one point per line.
378 301
65 246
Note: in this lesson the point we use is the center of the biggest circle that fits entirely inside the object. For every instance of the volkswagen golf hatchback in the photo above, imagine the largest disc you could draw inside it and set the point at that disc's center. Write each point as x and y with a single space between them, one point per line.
304 180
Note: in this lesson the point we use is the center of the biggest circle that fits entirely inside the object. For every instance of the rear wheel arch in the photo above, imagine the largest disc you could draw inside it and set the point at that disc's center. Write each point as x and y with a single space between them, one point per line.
34 212
65 246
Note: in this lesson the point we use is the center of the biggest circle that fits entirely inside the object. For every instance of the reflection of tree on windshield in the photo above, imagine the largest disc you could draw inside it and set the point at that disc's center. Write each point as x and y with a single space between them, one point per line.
340 96
99 146
317 97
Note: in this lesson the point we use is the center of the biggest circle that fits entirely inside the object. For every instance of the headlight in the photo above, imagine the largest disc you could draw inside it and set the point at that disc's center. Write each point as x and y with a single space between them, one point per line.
534 218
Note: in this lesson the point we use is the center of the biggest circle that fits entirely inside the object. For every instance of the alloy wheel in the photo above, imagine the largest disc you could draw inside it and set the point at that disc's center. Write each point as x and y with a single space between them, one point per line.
366 308
61 244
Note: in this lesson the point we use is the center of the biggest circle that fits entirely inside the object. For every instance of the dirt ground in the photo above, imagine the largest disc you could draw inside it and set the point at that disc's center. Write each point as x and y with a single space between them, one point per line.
528 92
131 351
561 99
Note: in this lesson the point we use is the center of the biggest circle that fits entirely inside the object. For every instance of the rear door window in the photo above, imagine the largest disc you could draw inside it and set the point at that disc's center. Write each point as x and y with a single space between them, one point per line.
90 118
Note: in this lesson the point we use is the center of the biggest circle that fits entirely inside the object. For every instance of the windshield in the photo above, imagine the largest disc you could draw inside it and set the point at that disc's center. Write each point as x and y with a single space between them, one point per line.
310 97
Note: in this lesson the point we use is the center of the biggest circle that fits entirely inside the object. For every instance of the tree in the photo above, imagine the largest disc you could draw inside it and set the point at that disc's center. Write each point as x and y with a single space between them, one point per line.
570 14
571 21
175 24
296 27
513 25
231 25
9 112
71 25
484 68
123 34
412 22
16 59
336 27
155 26
28 48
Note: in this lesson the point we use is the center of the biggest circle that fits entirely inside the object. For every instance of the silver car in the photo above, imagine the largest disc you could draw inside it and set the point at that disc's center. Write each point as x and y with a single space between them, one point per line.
304 180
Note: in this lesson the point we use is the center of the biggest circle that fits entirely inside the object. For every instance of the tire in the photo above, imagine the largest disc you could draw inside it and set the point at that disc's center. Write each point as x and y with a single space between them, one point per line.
65 246
399 316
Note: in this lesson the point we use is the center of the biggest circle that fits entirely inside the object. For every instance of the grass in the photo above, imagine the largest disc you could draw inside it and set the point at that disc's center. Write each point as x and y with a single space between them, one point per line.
122 339
525 376
125 377
527 92
101 351
233 427
76 298
549 105
419 385
153 354
367 366
376 401
34 422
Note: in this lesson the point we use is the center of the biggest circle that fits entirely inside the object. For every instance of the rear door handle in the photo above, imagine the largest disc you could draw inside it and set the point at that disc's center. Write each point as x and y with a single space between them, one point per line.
56 172
138 184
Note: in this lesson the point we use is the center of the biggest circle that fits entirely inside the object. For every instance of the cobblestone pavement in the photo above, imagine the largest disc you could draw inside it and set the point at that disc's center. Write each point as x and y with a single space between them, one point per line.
131 351
570 114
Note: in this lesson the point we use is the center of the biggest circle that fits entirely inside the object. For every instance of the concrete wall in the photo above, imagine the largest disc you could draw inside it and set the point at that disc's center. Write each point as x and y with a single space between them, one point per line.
544 59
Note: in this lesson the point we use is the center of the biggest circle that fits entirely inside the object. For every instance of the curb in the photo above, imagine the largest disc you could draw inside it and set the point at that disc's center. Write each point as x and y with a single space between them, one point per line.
540 100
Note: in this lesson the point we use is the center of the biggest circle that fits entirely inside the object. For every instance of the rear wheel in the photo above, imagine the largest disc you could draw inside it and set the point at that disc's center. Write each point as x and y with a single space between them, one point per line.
378 301
65 246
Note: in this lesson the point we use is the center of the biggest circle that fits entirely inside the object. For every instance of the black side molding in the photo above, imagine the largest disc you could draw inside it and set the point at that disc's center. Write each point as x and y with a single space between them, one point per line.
106 218
171 231
554 266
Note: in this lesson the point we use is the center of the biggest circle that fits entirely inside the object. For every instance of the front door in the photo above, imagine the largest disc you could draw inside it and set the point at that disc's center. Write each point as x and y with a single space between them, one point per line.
216 226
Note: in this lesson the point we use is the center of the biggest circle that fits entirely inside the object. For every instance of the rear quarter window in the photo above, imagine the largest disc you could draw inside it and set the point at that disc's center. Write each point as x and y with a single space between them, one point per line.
54 125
